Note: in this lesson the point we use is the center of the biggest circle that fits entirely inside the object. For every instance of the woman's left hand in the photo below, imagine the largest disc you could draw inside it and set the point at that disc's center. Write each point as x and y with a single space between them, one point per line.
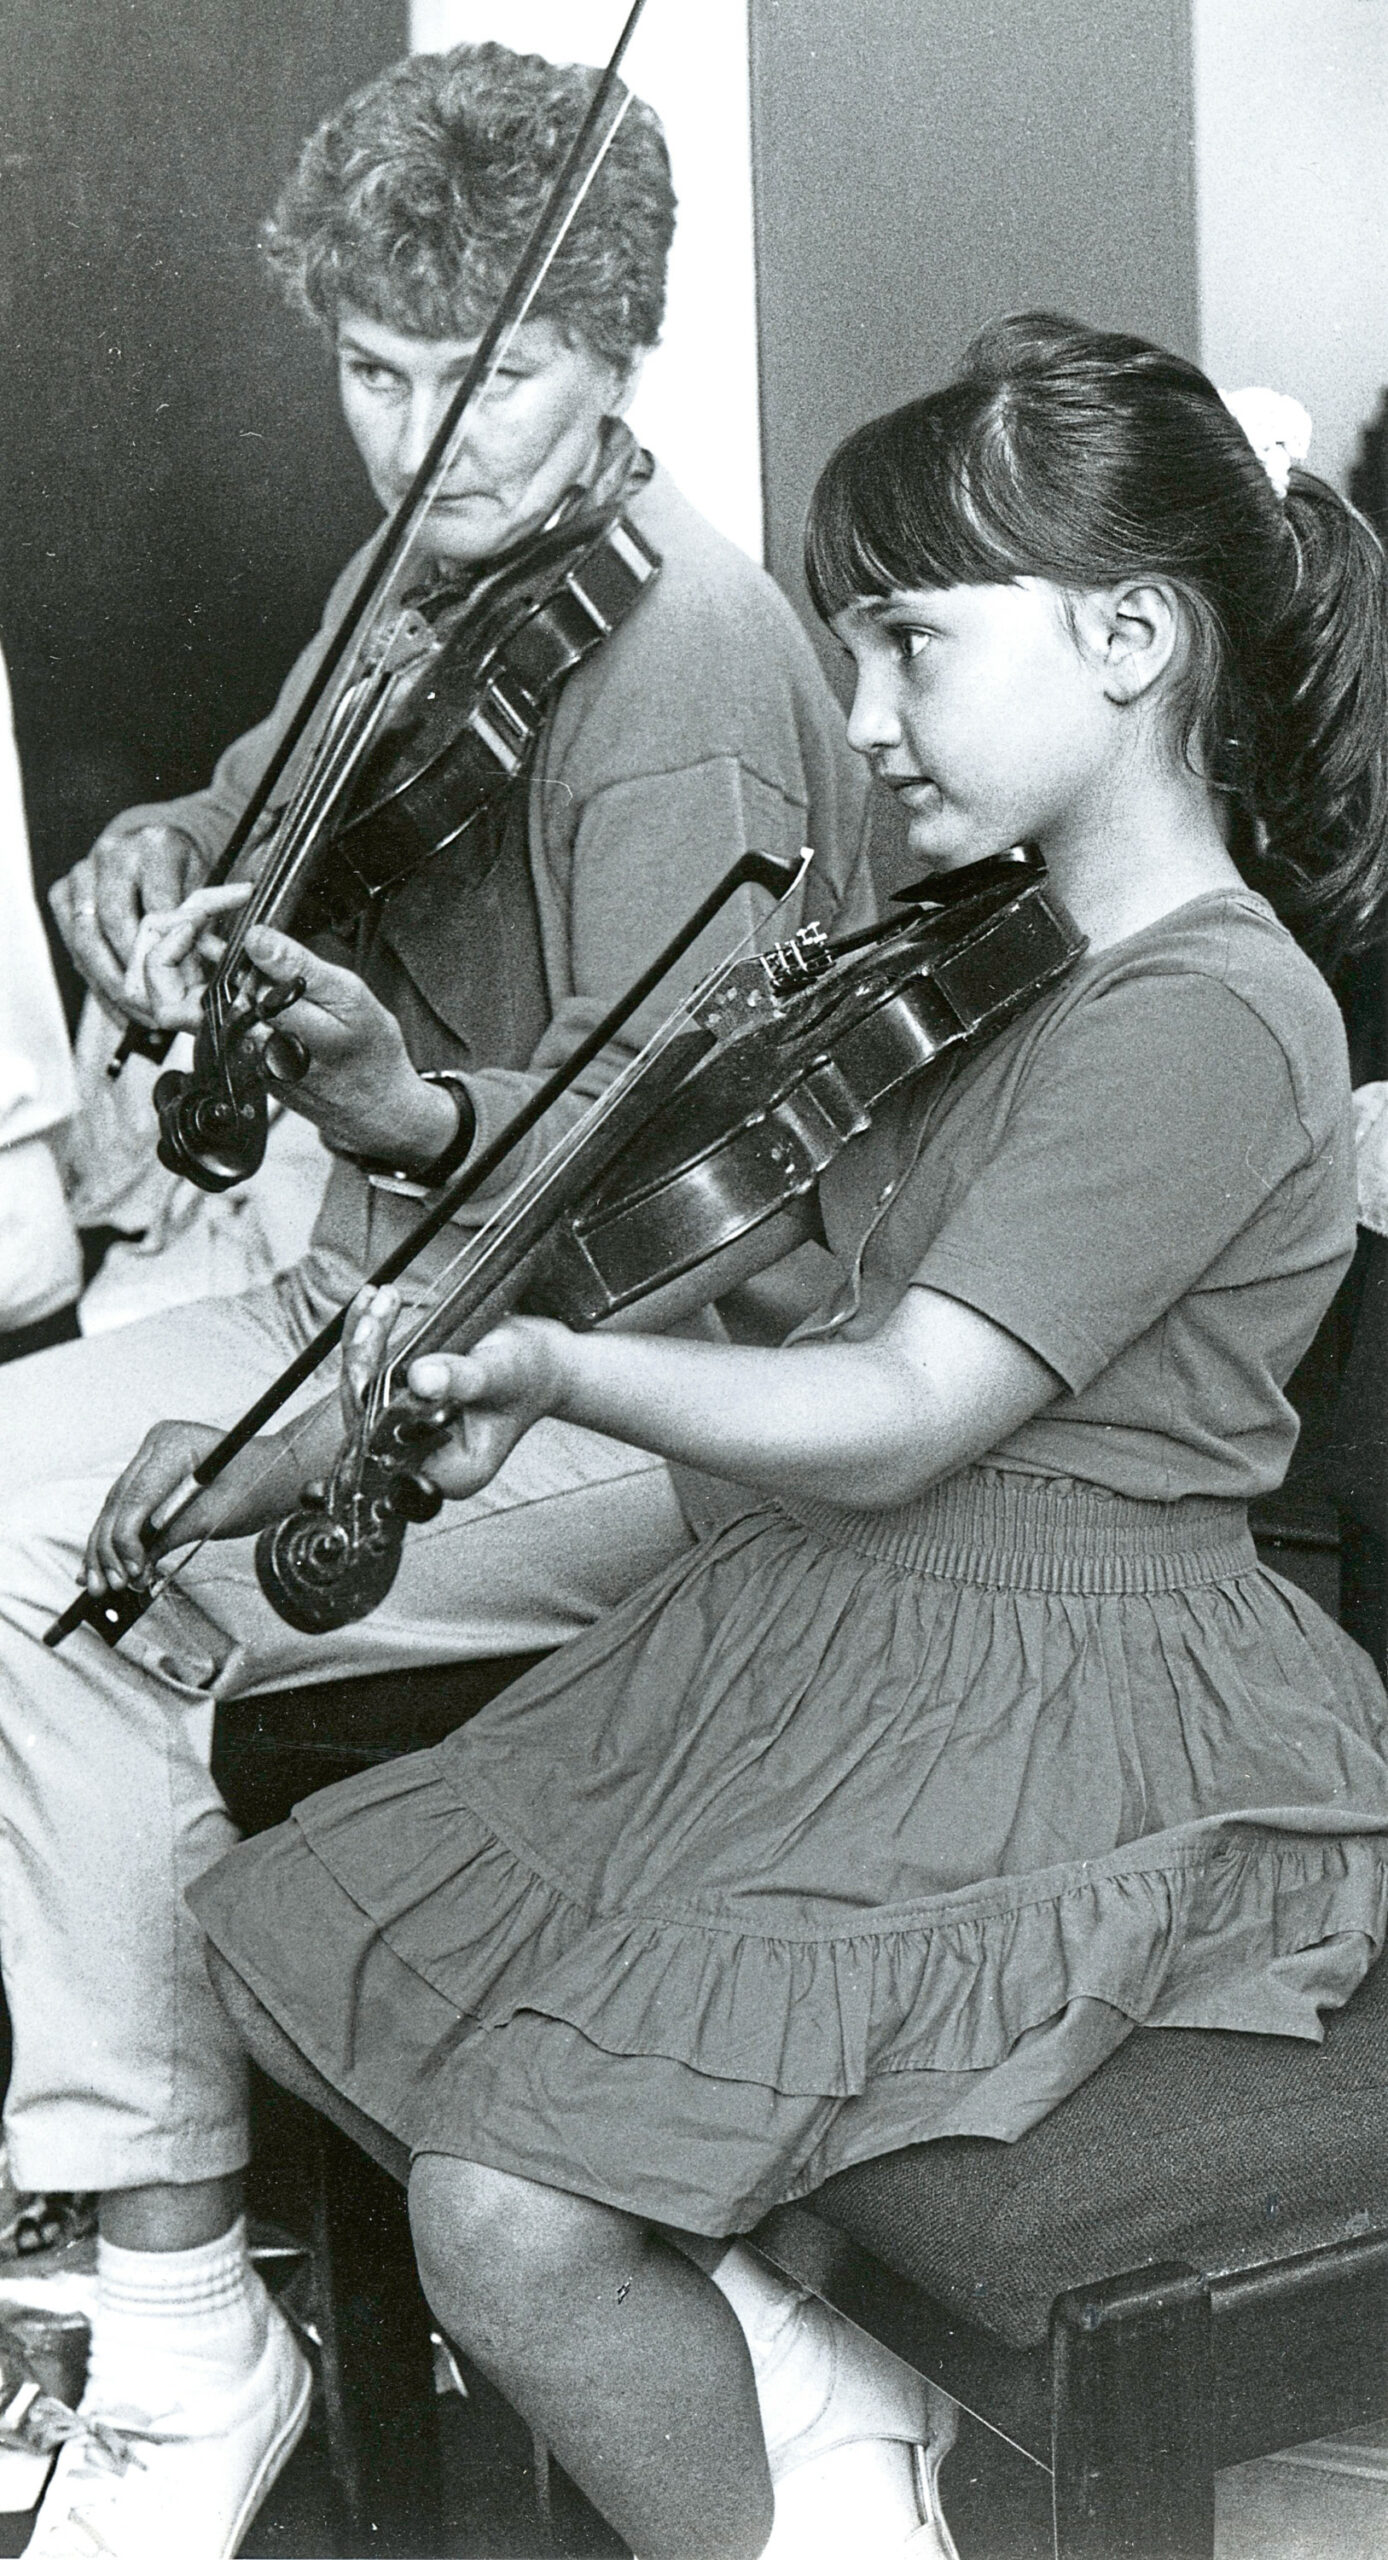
359 1086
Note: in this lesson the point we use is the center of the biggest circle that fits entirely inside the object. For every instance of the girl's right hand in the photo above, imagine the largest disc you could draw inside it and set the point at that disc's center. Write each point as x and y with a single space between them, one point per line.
244 1498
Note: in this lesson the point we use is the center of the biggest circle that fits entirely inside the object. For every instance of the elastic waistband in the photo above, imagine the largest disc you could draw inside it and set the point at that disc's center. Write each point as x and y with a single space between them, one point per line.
1044 1533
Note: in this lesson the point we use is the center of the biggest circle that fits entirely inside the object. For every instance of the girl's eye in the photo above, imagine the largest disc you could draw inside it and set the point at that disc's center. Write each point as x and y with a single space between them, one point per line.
909 642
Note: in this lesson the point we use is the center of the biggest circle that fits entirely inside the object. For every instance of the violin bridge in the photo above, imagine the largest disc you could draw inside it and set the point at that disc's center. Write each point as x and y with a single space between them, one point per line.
797 963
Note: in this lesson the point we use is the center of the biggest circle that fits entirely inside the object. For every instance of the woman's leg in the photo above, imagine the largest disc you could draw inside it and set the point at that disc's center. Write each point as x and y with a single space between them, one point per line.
618 2351
266 2043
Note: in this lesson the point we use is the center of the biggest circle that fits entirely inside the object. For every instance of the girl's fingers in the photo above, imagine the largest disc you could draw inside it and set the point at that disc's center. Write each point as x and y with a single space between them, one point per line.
365 1343
447 1379
509 1367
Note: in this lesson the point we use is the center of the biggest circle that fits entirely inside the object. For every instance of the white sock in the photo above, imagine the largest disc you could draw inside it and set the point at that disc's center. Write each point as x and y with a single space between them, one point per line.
175 2327
793 2361
840 2415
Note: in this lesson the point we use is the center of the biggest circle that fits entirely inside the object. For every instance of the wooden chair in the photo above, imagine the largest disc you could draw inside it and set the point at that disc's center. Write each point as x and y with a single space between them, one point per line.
1184 2266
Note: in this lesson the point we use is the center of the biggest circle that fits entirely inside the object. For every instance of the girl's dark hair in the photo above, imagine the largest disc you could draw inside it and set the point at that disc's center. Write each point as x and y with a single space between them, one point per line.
1077 455
413 202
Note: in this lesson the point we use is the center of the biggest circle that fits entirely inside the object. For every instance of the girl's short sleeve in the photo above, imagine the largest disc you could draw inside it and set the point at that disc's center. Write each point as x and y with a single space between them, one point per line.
1140 1142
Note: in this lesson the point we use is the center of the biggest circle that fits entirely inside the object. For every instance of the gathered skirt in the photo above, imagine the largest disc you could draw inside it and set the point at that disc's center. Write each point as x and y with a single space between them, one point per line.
850 1830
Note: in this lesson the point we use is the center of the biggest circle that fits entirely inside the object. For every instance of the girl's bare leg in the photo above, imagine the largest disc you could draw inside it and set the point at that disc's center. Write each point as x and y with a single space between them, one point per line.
617 2350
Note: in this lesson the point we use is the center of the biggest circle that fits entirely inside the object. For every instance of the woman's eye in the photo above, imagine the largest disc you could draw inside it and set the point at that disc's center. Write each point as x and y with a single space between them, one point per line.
910 643
373 377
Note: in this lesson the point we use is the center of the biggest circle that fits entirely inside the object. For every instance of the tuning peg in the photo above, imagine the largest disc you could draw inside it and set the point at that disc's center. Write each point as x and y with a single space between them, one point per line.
285 1058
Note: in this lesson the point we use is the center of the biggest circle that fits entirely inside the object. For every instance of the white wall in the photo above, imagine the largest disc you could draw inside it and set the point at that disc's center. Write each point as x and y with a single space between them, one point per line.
697 402
1291 124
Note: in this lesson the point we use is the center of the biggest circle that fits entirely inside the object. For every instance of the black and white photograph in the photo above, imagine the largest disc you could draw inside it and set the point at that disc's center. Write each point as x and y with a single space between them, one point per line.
694 1279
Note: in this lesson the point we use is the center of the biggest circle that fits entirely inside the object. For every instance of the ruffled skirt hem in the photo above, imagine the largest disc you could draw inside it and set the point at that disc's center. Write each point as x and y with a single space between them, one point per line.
662 1929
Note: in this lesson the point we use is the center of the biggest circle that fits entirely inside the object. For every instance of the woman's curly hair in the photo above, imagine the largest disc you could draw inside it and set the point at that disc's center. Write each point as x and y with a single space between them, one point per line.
413 201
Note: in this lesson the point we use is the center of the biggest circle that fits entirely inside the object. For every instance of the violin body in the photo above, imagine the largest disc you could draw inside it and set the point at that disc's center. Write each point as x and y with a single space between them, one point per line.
469 725
705 1169
464 688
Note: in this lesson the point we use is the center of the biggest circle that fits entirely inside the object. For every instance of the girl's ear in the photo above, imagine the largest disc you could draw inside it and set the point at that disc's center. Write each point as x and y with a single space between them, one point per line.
1130 635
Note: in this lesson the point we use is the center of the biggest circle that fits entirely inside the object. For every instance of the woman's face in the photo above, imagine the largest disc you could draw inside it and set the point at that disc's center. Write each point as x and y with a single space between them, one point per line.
979 709
533 432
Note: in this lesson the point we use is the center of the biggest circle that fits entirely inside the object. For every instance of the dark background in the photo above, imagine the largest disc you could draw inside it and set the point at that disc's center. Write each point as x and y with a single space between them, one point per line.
178 491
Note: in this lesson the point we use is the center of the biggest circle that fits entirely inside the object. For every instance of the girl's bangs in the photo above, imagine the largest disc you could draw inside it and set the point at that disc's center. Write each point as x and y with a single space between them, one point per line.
892 511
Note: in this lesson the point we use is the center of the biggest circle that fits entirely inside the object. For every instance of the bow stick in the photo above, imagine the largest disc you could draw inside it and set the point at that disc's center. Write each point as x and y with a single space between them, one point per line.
114 1613
585 157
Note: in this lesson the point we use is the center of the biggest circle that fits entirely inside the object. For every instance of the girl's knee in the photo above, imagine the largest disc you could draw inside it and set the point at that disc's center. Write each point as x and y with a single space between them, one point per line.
494 2239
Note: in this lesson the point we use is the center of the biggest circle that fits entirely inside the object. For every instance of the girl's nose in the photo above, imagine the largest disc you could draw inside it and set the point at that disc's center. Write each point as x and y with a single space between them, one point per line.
872 722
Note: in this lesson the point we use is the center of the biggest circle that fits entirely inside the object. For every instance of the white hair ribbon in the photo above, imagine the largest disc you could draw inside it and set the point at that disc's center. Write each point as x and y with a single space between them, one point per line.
1277 427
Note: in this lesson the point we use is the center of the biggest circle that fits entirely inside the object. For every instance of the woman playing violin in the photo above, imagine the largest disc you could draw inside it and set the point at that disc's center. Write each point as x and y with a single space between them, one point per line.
701 727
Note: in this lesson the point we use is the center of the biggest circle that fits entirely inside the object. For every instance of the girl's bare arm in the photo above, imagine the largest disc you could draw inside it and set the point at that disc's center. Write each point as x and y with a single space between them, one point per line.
867 1424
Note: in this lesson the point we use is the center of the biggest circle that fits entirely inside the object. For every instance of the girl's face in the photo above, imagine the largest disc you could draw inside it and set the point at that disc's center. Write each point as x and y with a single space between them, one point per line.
980 709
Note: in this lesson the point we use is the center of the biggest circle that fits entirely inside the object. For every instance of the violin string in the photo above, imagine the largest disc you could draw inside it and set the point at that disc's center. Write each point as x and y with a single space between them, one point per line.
357 719
491 1242
299 814
488 1242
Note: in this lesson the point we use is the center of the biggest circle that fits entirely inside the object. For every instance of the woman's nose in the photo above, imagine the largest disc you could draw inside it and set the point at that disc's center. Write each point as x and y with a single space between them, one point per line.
418 428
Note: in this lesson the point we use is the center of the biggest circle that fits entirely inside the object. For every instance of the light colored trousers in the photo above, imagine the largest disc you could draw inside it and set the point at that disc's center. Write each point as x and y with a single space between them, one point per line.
125 2072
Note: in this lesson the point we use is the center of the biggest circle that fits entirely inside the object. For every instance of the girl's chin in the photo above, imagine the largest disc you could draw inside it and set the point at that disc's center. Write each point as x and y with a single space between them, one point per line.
936 850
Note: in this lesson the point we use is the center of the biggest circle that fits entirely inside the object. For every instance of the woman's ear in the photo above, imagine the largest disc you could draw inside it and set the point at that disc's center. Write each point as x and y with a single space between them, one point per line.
1130 634
624 382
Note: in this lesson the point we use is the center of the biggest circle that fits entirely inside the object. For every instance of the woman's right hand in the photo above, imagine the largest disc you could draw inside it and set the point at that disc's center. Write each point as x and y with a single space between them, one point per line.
100 903
242 1499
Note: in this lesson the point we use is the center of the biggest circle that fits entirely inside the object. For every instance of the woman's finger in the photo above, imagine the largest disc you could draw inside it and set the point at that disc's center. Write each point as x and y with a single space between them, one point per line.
336 992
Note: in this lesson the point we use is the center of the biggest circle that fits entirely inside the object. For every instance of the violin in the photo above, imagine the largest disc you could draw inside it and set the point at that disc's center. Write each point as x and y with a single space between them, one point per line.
700 1169
695 1169
443 718
522 638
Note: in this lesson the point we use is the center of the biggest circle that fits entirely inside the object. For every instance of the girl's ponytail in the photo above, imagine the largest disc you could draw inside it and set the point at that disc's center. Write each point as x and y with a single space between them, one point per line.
1319 779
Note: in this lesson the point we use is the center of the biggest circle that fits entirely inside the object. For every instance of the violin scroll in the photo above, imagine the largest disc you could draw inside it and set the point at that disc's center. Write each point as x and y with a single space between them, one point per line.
334 1559
214 1118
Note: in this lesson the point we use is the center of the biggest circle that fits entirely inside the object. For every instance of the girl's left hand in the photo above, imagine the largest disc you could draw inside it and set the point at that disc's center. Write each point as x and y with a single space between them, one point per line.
514 1377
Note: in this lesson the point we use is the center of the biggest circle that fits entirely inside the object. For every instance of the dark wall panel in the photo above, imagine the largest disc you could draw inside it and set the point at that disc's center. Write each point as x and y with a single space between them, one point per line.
176 490
922 166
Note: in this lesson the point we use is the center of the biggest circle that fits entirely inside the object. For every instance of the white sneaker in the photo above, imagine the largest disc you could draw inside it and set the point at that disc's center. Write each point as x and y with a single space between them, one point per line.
140 2486
874 2499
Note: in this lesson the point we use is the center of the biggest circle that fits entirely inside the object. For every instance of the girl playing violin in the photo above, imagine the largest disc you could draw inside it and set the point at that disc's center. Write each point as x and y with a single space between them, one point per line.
975 1735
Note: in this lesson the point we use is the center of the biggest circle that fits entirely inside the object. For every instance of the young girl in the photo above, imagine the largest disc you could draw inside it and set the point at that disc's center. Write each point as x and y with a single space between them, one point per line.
976 1735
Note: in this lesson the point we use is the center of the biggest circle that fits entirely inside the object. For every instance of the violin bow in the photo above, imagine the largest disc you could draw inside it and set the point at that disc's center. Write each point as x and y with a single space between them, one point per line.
582 162
114 1613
